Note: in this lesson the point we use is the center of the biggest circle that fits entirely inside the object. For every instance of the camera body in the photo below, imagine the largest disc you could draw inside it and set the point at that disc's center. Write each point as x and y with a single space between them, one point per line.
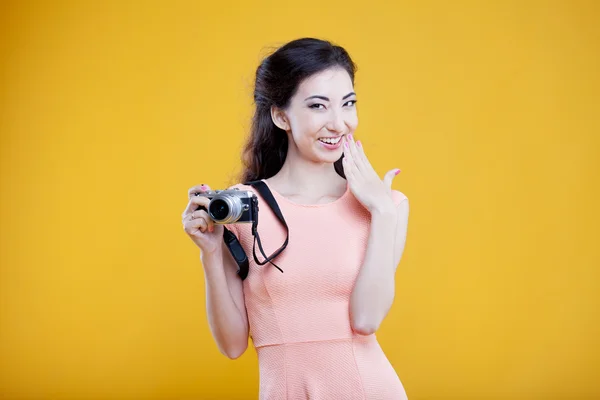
231 206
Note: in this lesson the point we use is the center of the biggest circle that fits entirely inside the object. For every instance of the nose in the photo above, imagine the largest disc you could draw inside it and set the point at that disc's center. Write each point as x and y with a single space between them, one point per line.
336 122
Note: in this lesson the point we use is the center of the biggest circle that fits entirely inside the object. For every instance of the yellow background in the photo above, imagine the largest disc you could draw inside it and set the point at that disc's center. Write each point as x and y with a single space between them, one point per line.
110 111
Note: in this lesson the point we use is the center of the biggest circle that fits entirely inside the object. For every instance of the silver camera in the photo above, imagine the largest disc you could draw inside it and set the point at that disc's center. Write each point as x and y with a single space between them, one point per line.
231 206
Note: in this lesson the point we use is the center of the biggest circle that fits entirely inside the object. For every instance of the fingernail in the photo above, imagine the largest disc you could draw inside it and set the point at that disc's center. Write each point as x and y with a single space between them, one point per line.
397 172
346 144
350 136
358 143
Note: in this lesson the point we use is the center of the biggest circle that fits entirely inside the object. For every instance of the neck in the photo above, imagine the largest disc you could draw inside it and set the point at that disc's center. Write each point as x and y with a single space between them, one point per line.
301 175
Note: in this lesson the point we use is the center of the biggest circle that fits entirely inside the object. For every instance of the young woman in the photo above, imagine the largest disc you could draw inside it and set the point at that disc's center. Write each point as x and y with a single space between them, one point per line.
312 325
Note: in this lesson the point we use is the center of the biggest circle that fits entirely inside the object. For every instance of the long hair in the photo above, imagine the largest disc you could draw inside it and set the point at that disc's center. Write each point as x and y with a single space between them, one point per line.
277 79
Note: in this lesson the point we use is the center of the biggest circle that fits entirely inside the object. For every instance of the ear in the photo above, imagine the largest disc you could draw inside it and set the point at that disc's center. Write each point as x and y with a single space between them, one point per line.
279 118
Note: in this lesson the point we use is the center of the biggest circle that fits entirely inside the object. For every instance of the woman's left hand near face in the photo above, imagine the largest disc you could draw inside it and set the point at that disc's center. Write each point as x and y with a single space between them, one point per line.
374 193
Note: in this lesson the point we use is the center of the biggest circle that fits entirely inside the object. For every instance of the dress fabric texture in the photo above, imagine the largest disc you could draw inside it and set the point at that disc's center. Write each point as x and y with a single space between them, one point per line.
299 319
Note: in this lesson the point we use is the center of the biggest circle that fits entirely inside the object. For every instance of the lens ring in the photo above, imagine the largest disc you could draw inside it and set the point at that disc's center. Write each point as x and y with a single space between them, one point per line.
224 209
219 209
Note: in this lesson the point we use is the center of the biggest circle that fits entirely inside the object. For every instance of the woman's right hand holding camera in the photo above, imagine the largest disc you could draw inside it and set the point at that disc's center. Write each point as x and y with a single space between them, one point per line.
207 235
225 308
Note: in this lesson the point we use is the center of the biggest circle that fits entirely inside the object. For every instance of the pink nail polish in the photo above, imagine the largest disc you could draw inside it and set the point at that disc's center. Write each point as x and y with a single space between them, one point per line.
358 143
350 137
397 172
346 144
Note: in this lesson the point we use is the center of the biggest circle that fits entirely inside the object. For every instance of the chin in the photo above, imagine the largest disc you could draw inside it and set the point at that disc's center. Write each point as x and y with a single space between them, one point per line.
330 158
328 154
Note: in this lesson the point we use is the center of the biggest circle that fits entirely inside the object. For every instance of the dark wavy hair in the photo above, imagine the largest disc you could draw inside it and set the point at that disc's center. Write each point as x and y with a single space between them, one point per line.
277 79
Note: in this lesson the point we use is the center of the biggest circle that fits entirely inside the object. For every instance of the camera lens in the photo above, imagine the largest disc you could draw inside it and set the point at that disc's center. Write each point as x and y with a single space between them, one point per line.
218 209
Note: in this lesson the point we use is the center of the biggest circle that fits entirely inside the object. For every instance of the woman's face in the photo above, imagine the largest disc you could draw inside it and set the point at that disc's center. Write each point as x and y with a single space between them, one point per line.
320 113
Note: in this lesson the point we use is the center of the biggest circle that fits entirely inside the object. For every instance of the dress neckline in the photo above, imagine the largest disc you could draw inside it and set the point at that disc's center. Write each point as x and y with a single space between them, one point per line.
318 205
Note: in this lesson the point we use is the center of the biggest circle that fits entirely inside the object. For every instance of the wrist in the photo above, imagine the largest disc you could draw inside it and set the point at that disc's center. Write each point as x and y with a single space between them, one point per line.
386 208
211 257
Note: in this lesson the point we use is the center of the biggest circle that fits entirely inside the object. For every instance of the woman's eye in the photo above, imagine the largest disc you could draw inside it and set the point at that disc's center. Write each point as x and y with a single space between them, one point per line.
317 106
350 103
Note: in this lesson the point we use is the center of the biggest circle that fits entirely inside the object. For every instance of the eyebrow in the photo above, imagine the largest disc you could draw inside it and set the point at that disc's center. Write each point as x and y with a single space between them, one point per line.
327 99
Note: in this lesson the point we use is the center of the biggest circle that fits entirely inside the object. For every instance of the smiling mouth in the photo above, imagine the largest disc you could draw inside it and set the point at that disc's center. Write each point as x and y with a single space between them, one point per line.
334 140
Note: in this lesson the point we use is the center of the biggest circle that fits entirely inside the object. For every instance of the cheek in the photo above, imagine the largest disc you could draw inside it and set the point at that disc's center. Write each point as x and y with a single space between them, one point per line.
352 121
307 125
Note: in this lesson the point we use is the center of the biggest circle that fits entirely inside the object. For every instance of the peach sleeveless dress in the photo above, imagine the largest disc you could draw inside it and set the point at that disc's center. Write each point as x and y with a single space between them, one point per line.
299 319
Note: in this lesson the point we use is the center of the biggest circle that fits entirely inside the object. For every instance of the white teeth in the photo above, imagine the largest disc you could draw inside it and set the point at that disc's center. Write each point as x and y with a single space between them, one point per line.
330 140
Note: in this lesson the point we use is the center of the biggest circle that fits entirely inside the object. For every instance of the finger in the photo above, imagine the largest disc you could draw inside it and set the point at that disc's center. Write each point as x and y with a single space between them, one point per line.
187 217
198 189
348 170
197 223
351 146
360 153
366 167
353 168
389 177
206 217
355 153
347 152
194 203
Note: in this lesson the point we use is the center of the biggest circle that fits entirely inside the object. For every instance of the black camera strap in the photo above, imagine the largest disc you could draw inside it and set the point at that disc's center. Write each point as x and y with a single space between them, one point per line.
237 251
234 246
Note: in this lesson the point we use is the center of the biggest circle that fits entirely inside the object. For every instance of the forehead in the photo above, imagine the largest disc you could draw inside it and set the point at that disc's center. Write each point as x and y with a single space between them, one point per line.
331 82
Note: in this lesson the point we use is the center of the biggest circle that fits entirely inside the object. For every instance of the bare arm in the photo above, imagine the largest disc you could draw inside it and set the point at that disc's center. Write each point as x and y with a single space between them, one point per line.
224 290
225 307
374 290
